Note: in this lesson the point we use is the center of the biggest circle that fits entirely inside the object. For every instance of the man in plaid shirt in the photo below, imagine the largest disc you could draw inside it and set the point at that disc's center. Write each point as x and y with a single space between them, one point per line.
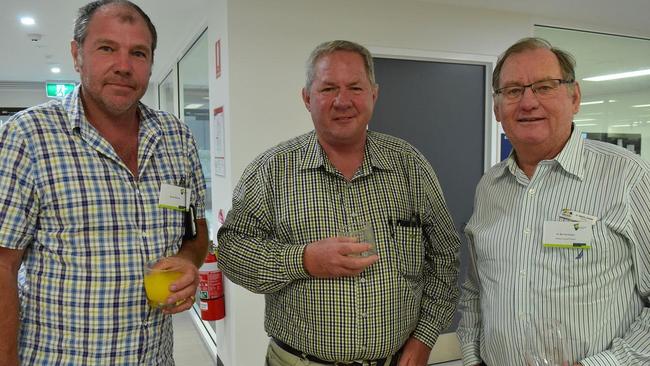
80 208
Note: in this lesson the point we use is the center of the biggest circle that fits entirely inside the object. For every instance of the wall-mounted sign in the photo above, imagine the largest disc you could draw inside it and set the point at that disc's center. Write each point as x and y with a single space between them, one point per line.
58 90
219 142
217 57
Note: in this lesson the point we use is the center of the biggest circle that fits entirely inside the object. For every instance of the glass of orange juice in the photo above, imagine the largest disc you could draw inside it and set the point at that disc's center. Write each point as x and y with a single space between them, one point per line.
156 284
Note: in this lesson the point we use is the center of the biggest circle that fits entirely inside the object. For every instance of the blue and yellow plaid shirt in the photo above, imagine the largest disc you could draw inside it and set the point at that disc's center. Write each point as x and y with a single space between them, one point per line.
88 227
292 195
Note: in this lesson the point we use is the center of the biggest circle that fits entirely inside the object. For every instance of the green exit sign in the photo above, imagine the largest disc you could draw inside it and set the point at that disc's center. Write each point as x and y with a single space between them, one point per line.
59 90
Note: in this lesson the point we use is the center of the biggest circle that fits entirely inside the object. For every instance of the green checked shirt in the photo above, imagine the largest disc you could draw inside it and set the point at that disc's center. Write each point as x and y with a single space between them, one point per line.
291 196
88 227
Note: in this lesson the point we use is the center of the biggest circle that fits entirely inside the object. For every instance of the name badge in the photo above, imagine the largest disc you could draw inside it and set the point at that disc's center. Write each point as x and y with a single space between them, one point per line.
172 197
577 216
570 235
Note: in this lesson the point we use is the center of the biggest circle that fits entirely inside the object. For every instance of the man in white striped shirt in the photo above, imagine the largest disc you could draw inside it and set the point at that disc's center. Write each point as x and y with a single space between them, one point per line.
560 230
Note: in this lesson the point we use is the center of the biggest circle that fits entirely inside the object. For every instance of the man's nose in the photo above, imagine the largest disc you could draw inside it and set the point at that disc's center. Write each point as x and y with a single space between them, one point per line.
528 99
122 62
343 98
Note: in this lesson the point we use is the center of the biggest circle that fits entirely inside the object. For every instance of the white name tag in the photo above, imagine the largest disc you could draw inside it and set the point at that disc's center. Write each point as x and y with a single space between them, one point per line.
562 234
577 216
172 197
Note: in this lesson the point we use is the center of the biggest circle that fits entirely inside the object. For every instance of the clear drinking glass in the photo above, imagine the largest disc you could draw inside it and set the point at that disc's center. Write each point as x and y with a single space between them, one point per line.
361 233
545 343
156 284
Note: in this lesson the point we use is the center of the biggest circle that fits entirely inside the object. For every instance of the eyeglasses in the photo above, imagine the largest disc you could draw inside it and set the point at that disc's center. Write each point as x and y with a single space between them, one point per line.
542 89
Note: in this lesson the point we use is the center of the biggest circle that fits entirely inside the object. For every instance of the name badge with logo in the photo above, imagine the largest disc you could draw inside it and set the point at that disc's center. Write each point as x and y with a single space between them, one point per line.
172 197
569 235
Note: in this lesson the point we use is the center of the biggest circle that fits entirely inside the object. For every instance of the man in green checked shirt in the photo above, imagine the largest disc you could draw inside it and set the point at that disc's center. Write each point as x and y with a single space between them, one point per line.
326 303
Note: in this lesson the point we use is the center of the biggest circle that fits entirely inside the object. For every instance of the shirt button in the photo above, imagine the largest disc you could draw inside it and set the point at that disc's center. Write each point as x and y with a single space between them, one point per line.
144 234
362 280
522 273
531 191
527 231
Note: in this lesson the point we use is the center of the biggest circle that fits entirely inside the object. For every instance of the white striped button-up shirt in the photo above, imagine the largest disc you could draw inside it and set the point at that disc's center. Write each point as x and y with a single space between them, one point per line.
600 295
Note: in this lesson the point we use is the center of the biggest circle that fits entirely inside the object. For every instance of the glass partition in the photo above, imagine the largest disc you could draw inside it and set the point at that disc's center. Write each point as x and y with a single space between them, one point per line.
614 76
194 107
166 92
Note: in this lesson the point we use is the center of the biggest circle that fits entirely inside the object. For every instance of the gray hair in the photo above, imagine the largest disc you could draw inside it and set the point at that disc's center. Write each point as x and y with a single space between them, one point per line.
329 47
566 60
87 11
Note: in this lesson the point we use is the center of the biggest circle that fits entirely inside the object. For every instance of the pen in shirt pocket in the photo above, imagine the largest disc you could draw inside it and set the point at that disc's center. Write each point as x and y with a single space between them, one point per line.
412 222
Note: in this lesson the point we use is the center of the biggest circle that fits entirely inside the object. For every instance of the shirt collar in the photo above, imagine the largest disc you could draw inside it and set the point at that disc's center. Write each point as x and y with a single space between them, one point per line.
313 155
570 157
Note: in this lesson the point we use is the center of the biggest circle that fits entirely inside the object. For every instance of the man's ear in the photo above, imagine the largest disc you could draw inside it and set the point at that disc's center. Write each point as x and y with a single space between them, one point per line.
497 110
74 50
576 98
306 98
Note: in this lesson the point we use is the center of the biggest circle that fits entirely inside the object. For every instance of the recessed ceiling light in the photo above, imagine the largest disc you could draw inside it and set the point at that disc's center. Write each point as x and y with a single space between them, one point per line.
27 21
641 106
55 69
583 120
617 126
620 75
586 124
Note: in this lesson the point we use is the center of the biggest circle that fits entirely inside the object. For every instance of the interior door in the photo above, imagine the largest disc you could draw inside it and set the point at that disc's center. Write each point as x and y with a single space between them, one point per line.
439 107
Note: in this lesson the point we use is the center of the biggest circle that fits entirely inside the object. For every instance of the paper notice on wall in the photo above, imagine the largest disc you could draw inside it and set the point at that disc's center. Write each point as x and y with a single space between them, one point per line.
219 142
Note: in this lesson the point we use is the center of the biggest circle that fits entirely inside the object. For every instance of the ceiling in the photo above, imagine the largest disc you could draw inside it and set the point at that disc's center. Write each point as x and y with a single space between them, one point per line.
179 22
24 60
627 16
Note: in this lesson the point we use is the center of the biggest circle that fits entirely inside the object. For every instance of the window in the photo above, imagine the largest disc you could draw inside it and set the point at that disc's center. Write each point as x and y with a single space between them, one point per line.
615 110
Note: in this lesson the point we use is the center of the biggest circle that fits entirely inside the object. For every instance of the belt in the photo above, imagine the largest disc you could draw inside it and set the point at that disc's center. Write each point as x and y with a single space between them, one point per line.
295 352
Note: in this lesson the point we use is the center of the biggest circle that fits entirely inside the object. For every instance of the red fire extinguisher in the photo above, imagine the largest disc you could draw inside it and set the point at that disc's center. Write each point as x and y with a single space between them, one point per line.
211 289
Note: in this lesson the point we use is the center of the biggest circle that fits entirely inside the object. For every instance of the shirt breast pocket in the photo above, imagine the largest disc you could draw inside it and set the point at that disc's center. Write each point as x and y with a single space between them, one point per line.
587 265
409 251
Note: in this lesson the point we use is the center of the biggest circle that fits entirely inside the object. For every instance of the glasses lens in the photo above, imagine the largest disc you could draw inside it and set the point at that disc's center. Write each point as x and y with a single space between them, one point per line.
512 92
545 87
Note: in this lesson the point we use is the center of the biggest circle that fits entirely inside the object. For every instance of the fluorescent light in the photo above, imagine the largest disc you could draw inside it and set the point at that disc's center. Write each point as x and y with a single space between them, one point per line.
584 120
586 124
621 75
193 106
616 126
55 70
27 21
641 106
594 102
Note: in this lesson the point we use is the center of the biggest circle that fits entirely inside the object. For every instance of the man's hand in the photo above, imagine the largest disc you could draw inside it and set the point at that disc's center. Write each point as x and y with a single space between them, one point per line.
184 288
414 353
336 257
